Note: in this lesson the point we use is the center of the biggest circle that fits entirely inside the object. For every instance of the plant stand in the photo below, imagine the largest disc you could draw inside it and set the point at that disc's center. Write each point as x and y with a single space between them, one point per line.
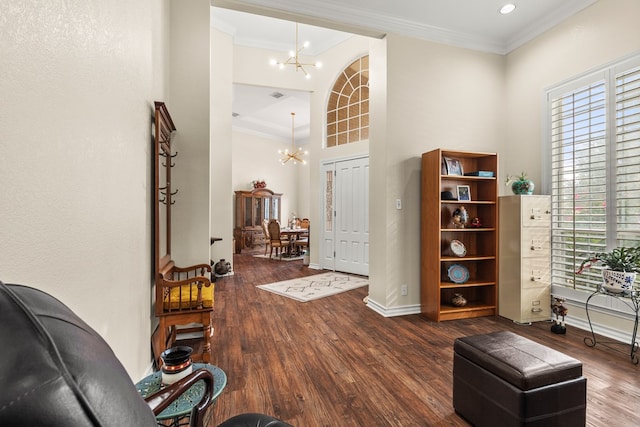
632 300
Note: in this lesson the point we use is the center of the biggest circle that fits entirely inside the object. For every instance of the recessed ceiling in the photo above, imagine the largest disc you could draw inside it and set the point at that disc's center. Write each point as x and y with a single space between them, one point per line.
266 112
473 24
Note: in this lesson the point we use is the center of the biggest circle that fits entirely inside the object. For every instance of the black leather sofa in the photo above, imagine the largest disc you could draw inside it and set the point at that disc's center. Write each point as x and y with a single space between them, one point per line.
55 370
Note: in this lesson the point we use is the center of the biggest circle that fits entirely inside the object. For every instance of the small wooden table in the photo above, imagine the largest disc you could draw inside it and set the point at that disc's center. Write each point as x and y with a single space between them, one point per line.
182 406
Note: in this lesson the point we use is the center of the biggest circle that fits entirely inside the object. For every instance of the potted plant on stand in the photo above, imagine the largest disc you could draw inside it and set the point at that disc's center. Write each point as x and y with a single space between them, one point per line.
621 265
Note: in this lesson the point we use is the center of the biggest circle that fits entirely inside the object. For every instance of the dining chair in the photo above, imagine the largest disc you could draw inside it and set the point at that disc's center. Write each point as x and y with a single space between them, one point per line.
302 241
267 238
275 240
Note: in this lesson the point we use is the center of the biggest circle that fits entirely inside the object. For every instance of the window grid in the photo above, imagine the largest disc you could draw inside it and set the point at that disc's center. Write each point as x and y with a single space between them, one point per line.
594 139
348 105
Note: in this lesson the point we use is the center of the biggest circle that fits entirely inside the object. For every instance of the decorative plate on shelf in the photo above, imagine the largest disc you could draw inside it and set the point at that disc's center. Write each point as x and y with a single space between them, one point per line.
458 273
458 248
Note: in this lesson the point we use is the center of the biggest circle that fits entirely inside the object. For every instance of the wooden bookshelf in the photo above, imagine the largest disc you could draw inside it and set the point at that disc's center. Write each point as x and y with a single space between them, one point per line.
438 230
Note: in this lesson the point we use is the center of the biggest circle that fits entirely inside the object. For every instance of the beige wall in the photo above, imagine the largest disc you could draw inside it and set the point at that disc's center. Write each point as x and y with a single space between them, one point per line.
436 96
257 158
606 31
78 81
190 76
221 148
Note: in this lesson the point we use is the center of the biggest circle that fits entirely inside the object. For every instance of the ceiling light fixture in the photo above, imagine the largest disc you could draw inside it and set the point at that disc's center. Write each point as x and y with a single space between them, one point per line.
294 59
507 8
294 155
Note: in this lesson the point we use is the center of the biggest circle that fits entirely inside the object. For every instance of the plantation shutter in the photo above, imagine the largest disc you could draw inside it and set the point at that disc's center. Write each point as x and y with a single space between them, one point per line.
628 157
594 140
579 178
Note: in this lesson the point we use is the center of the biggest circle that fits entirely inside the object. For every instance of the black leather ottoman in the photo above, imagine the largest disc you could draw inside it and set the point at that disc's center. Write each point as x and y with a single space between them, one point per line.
503 379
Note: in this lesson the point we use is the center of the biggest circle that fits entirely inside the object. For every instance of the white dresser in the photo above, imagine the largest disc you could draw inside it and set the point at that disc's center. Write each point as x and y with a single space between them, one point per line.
525 258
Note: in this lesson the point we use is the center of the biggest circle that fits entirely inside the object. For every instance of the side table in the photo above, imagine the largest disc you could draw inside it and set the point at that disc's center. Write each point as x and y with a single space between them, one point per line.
631 300
181 408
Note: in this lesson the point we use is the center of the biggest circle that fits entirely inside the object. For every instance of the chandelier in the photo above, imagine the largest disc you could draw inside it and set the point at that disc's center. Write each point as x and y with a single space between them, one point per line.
294 59
293 155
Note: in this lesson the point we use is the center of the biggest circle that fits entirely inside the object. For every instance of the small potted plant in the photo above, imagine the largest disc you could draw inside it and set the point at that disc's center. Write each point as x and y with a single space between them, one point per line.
621 265
520 184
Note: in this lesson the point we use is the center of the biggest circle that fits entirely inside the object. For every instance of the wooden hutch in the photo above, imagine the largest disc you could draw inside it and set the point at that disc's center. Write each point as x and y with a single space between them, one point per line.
252 207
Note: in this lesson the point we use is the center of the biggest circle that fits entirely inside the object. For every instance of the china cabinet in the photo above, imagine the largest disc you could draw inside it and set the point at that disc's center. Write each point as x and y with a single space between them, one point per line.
252 207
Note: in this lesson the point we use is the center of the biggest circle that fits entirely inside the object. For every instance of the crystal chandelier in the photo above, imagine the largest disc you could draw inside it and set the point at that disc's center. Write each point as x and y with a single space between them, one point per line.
293 155
294 59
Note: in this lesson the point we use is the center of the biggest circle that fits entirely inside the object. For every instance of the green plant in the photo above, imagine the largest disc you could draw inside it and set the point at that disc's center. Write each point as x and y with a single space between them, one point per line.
513 178
618 259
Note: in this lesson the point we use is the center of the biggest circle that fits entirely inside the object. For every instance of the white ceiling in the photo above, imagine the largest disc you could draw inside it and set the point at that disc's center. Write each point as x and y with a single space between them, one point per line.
474 24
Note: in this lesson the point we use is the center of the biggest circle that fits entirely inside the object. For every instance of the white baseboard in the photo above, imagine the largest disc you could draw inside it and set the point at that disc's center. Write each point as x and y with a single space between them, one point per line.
394 311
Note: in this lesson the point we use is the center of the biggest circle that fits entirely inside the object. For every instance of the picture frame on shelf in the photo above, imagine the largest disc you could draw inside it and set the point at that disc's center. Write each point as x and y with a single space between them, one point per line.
443 167
464 192
454 167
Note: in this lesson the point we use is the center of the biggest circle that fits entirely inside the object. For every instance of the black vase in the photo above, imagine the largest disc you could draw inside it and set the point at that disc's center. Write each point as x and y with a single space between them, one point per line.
222 267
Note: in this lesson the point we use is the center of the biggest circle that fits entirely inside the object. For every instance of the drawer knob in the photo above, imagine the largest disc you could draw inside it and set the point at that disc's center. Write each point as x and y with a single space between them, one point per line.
536 310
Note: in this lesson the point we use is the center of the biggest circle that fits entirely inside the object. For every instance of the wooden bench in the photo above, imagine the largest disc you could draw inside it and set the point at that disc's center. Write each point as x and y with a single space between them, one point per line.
184 296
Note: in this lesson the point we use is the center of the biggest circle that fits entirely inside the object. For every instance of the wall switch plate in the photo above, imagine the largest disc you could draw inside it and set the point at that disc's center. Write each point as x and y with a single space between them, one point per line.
398 204
403 290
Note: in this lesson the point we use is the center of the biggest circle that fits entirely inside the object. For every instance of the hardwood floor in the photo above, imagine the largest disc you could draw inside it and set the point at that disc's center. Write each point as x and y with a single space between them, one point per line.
335 362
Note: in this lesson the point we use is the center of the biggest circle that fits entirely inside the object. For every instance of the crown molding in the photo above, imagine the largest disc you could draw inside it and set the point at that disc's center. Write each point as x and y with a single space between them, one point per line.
338 16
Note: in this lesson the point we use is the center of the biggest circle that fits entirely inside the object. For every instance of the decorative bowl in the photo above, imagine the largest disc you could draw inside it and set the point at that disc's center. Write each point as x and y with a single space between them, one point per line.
458 273
458 248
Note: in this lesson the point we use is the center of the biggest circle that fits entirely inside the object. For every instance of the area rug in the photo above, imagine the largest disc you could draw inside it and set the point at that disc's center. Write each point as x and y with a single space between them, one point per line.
317 286
277 258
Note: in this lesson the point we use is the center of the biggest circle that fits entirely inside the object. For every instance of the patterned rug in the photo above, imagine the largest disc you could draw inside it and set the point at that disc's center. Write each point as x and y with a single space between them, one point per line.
277 258
317 286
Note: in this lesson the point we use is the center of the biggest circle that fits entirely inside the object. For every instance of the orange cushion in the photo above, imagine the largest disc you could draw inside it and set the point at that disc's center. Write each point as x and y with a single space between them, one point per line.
181 298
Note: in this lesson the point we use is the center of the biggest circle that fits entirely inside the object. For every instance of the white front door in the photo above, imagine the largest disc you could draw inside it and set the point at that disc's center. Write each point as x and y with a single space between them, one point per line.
346 216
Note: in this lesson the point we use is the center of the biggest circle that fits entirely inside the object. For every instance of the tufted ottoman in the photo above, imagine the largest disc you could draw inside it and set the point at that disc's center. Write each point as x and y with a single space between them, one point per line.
503 379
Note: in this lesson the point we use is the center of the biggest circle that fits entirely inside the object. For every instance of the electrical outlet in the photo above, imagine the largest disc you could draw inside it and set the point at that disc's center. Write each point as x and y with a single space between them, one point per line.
398 204
403 290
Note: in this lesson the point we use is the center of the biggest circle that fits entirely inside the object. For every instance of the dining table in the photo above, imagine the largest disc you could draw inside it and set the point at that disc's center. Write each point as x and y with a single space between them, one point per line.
293 234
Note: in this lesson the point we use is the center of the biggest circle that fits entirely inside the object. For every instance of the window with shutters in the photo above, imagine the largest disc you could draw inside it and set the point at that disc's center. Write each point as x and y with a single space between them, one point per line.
348 105
594 144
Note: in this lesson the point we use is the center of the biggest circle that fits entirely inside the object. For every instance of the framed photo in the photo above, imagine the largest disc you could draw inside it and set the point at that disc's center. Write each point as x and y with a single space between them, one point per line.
453 167
464 192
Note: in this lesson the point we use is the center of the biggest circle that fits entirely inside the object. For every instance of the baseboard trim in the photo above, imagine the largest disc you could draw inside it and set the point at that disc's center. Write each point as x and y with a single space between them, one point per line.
393 311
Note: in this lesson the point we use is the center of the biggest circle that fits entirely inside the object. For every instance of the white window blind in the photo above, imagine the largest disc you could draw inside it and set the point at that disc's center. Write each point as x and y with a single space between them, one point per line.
628 157
594 140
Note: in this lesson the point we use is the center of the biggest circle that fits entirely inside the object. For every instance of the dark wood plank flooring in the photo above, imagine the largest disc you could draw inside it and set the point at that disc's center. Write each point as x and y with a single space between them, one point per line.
335 362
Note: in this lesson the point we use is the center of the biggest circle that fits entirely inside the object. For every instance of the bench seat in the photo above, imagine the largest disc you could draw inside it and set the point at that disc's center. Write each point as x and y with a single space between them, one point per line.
505 379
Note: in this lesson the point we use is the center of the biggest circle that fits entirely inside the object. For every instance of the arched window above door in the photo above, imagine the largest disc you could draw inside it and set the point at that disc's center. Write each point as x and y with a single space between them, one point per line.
348 105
